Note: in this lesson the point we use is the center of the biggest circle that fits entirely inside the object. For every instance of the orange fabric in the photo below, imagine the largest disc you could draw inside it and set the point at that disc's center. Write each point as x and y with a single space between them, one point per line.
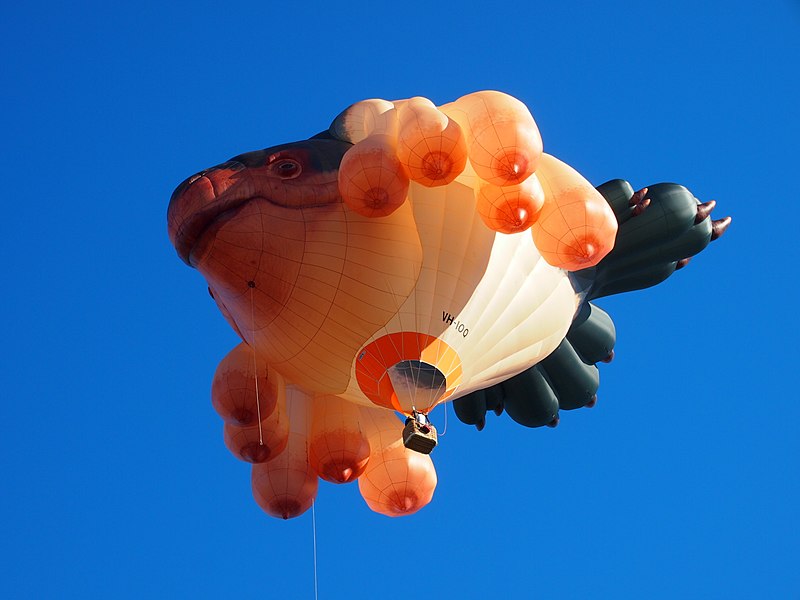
513 208
377 357
372 181
503 139
338 448
397 481
254 446
286 486
233 389
431 146
576 227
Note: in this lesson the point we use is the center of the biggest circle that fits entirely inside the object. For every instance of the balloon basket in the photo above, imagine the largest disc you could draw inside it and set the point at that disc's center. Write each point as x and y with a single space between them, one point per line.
418 437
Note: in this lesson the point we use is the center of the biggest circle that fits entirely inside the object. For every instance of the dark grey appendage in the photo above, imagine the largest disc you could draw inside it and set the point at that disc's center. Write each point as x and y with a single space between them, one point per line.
592 334
655 238
472 408
529 398
566 379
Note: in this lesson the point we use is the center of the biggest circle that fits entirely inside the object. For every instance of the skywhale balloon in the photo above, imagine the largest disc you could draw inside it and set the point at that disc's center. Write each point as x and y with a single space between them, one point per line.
411 255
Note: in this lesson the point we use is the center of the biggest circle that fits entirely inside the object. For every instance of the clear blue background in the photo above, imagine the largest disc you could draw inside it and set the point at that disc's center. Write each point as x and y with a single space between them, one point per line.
683 482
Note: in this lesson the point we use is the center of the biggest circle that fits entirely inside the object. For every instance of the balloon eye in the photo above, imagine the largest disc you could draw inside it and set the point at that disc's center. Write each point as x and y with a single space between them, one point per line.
286 168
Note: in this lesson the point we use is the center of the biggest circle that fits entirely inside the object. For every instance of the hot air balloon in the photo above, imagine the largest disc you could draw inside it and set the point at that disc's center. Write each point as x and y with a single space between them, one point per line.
411 255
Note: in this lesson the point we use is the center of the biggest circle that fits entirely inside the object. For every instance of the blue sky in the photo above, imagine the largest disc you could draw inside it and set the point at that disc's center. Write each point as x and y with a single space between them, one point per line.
684 481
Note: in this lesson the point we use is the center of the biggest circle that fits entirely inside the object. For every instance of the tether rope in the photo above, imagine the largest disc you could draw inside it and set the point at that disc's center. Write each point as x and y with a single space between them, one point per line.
252 286
314 531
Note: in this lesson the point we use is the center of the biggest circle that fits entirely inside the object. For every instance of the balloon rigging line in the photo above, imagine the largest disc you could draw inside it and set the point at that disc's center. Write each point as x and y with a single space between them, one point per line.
314 534
436 394
411 393
252 286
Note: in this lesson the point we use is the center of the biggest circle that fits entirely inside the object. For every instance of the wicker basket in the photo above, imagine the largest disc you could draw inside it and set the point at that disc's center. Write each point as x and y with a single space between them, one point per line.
419 438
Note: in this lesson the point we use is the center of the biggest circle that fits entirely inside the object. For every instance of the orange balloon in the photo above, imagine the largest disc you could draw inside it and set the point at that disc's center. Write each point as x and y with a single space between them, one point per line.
431 146
397 481
338 449
504 141
233 389
372 181
255 445
286 486
576 227
512 208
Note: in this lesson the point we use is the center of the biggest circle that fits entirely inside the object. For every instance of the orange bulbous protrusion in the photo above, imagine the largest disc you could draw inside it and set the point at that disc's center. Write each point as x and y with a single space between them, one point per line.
510 209
430 145
576 228
397 481
233 389
256 446
503 139
285 486
361 119
343 464
372 181
338 450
